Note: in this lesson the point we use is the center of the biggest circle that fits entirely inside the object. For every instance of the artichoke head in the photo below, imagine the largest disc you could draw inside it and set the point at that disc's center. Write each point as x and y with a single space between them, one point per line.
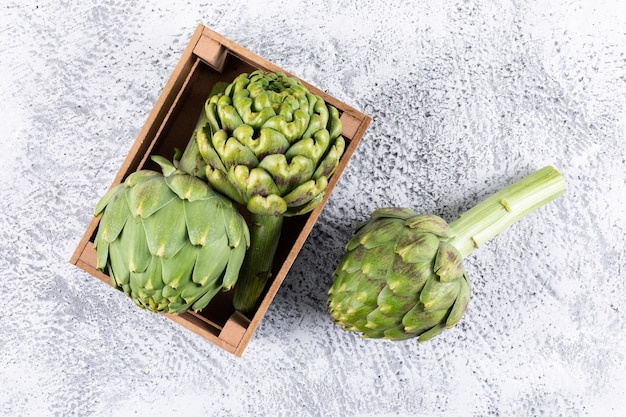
400 278
267 143
169 241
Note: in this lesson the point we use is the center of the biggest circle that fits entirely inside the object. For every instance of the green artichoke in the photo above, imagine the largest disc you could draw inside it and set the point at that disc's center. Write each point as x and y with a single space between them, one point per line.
169 241
402 275
270 145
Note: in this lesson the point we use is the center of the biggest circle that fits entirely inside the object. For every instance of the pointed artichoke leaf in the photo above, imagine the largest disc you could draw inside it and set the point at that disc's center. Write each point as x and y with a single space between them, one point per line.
210 111
206 149
430 224
102 254
166 165
238 177
188 187
171 294
311 99
367 333
178 308
205 299
448 263
437 295
312 148
106 198
343 284
379 232
148 196
140 176
418 319
227 114
335 302
258 181
255 119
112 280
352 309
135 245
118 263
166 230
163 305
137 286
335 127
236 228
460 304
114 218
272 205
192 292
352 260
177 269
204 221
330 162
376 261
347 282
377 320
154 281
368 291
288 174
394 305
211 262
397 333
307 207
361 230
231 151
319 118
191 161
408 278
414 246
222 183
429 334
394 212
269 141
235 261
178 153
291 130
306 192
218 88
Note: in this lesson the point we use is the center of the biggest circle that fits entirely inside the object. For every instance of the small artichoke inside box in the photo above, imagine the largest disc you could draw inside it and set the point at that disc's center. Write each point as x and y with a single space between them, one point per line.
210 60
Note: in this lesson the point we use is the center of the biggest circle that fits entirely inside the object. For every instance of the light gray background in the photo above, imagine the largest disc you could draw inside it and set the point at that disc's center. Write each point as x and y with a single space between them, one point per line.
466 97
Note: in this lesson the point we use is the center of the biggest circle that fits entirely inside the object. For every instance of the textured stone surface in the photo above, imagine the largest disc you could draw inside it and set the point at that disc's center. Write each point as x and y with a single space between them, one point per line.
466 97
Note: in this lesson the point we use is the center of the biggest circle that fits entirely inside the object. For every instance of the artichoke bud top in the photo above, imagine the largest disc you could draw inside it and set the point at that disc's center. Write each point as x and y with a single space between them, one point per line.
267 137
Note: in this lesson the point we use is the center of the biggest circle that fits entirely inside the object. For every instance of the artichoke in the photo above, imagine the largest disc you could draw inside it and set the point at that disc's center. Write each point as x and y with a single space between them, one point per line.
169 241
402 275
270 145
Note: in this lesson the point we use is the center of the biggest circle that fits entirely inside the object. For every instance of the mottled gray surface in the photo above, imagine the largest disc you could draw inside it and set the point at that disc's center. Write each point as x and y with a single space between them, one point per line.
466 97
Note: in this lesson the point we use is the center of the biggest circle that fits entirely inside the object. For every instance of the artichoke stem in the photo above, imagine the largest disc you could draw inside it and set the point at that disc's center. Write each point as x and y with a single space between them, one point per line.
493 215
257 265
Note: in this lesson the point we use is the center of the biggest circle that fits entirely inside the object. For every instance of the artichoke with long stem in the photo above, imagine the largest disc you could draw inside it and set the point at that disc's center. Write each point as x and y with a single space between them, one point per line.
402 275
270 145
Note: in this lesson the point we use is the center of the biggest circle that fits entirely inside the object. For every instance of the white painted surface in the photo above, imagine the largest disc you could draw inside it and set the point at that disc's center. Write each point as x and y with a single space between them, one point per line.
465 96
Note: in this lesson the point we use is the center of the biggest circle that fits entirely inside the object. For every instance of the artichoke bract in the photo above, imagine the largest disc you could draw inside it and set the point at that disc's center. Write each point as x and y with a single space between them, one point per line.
269 144
402 275
169 241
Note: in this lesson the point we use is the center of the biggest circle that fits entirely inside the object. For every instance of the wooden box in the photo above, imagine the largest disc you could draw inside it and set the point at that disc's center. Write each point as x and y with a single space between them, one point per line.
207 59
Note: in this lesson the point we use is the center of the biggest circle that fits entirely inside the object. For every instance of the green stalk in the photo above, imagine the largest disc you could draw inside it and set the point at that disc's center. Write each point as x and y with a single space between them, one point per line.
257 265
489 218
